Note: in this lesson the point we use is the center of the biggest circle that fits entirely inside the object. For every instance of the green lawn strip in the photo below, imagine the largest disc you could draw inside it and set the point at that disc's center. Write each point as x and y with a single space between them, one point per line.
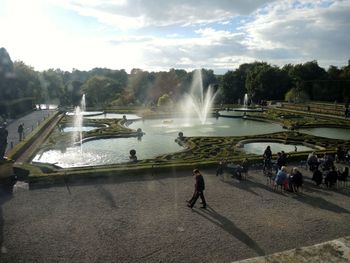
294 119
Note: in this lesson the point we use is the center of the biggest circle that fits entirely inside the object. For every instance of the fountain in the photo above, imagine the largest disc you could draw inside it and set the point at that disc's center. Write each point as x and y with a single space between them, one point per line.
78 122
246 108
245 100
83 111
196 101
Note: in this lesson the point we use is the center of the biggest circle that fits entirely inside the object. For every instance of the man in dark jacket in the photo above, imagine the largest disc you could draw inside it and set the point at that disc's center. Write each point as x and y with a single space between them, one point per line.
198 190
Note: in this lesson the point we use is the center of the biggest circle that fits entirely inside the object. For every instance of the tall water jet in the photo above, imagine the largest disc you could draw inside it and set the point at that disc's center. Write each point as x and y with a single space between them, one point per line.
245 100
83 103
78 122
196 101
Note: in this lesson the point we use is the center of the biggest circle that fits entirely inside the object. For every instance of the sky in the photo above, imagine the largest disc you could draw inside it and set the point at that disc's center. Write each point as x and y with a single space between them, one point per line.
157 35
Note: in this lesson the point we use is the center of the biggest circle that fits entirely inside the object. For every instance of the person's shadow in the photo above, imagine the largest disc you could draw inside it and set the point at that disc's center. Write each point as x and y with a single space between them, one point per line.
211 215
6 191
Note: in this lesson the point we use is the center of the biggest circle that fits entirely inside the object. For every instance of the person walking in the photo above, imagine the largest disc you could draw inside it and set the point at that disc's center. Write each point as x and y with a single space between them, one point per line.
199 187
20 132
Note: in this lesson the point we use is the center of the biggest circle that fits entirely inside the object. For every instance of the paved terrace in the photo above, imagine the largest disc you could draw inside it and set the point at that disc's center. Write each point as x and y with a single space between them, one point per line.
30 121
144 218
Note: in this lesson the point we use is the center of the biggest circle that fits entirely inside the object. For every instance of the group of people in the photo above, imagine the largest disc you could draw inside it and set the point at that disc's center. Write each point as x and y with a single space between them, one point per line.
236 170
324 171
289 181
342 155
268 165
277 171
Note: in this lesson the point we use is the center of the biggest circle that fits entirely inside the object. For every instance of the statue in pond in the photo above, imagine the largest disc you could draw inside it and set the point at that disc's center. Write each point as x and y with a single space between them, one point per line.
133 156
180 139
217 114
3 140
124 120
139 134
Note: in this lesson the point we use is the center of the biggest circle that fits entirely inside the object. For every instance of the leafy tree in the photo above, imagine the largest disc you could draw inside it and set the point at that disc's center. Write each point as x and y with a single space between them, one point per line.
333 72
6 76
73 92
165 101
53 88
266 82
296 96
100 91
233 88
26 81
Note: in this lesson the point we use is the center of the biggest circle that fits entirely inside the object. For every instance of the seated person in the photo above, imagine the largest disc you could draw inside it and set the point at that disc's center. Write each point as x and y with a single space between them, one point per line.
340 155
245 166
347 155
312 161
295 180
317 176
343 176
221 167
281 176
331 177
328 162
242 168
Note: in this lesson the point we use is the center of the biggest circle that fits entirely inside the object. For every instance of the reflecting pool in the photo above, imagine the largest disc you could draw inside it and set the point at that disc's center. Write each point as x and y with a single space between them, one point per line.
159 138
130 117
333 133
110 151
212 127
259 147
84 128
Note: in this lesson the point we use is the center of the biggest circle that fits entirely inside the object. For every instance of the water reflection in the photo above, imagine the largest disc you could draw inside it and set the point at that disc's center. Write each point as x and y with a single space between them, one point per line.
333 133
259 147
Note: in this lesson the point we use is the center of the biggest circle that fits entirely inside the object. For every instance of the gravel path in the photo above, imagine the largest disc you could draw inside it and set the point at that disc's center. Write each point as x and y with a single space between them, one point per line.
144 218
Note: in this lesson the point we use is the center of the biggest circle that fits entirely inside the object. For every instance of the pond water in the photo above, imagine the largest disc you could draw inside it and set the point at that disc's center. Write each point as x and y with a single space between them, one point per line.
160 135
110 151
259 147
333 133
84 128
115 116
159 138
86 113
212 127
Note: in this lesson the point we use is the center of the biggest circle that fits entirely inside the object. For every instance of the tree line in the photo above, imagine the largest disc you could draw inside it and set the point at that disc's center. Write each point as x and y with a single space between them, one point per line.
21 85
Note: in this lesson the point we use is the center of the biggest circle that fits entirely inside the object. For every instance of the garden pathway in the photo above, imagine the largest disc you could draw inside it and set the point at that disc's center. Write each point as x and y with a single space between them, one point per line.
144 218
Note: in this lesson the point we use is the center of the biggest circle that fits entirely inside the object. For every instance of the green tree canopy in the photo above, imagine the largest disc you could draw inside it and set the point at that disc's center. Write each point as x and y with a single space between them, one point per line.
262 84
100 91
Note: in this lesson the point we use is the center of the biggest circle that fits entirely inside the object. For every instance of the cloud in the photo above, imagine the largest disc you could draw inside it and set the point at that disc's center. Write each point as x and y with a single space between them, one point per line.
303 30
207 48
158 35
138 13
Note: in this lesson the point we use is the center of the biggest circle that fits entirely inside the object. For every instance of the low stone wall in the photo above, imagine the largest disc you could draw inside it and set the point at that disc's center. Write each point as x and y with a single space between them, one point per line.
337 250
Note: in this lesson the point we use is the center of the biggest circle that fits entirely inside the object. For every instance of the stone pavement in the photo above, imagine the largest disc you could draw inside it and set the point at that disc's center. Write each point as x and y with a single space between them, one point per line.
30 121
144 218
337 250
